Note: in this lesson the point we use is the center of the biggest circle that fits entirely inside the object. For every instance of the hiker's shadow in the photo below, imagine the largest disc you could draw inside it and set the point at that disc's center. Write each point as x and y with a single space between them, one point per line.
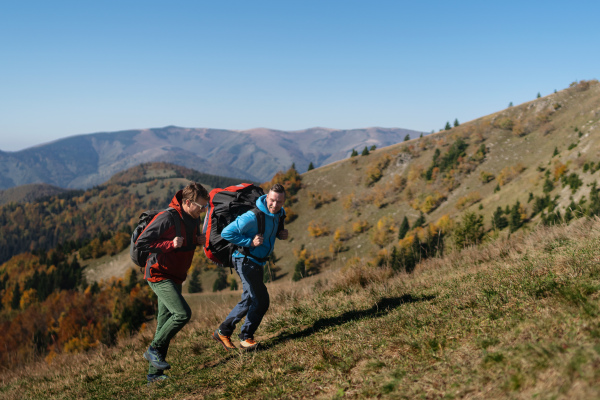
379 309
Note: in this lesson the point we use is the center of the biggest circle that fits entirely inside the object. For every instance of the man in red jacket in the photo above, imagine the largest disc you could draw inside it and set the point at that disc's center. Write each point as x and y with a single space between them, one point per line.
166 268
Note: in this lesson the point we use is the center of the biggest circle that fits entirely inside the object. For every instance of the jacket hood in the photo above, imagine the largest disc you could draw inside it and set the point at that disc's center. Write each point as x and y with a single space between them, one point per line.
261 203
176 202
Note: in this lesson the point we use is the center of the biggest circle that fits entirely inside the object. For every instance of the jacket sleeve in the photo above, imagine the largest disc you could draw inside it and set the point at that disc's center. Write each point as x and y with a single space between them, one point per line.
241 231
151 239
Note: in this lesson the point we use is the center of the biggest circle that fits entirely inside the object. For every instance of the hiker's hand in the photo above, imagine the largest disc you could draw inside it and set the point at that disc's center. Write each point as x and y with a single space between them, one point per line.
178 242
283 235
258 240
201 239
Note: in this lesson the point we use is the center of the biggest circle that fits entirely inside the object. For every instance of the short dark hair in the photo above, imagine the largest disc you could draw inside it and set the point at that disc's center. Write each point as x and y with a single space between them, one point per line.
193 191
278 188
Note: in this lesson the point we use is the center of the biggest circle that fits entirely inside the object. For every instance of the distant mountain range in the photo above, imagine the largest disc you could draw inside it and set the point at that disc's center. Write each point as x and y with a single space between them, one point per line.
86 160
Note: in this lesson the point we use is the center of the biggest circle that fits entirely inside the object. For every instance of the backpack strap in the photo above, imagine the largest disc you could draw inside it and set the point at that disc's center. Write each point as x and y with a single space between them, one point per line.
260 219
281 225
175 220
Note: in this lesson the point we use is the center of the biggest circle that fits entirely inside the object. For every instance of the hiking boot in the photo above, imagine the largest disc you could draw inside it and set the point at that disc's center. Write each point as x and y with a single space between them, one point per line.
224 340
156 359
248 344
154 378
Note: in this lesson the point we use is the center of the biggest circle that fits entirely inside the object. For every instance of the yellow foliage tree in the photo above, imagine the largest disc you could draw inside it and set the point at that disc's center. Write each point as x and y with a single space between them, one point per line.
318 228
383 232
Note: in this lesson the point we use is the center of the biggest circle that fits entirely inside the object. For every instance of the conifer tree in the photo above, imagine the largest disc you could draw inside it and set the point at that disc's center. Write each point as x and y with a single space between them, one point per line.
373 148
16 298
407 137
233 285
310 166
555 152
594 208
456 123
365 152
299 271
420 221
469 231
354 153
548 186
221 281
195 285
448 127
404 228
514 220
499 221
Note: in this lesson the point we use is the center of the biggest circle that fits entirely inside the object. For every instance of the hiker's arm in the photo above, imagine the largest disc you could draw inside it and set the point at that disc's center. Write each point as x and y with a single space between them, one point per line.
150 239
241 232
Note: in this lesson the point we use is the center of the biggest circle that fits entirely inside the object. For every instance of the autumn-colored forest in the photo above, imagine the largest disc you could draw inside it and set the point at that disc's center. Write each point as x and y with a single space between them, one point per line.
46 306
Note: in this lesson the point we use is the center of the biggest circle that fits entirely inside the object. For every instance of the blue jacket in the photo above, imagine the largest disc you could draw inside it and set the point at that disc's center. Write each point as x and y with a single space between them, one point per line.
242 231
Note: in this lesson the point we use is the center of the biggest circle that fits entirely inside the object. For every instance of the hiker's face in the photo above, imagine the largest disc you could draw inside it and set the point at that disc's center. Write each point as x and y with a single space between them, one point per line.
275 201
194 208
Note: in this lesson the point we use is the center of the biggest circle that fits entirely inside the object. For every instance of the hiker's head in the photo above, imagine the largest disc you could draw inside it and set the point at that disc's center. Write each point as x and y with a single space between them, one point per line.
275 198
193 199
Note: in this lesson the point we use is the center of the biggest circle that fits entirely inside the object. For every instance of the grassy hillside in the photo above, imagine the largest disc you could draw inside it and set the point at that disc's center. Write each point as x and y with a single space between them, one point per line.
513 318
29 193
506 158
357 323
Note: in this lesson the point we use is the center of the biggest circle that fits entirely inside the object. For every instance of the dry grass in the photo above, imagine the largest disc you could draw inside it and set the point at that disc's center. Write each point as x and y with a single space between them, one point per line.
513 318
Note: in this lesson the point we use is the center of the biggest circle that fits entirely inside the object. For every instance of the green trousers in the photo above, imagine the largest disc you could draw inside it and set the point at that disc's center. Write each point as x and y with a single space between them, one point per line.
173 313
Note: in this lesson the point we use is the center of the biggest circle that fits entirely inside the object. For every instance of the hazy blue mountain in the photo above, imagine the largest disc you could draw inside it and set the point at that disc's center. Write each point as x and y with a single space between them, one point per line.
86 160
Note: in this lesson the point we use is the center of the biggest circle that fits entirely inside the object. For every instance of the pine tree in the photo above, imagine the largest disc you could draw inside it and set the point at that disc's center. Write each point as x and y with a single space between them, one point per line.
548 186
310 166
448 127
195 285
594 208
404 228
299 271
456 123
407 137
499 221
365 152
539 95
555 152
354 153
514 220
420 221
131 282
233 285
16 298
395 262
373 148
221 281
469 231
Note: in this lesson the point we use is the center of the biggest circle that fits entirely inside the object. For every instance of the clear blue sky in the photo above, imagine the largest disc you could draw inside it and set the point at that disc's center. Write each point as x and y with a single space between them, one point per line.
73 67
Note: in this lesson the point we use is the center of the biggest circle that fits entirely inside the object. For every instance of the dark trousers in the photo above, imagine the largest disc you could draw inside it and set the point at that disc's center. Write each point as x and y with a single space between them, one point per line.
254 303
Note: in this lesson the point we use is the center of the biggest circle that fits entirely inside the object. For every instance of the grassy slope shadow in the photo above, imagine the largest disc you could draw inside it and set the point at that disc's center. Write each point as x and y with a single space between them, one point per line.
381 308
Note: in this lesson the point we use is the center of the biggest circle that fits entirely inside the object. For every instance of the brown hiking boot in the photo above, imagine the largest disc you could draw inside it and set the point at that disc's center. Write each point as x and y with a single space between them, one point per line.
248 344
224 340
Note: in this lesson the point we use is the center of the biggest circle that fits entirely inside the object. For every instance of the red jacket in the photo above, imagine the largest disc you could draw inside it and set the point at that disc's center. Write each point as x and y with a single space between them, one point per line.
164 262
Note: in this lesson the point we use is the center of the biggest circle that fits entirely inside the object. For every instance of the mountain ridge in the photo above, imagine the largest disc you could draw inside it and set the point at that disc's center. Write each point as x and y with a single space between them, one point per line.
85 160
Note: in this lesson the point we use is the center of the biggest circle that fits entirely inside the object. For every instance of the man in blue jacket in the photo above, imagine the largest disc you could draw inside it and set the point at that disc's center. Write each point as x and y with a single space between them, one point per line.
243 232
